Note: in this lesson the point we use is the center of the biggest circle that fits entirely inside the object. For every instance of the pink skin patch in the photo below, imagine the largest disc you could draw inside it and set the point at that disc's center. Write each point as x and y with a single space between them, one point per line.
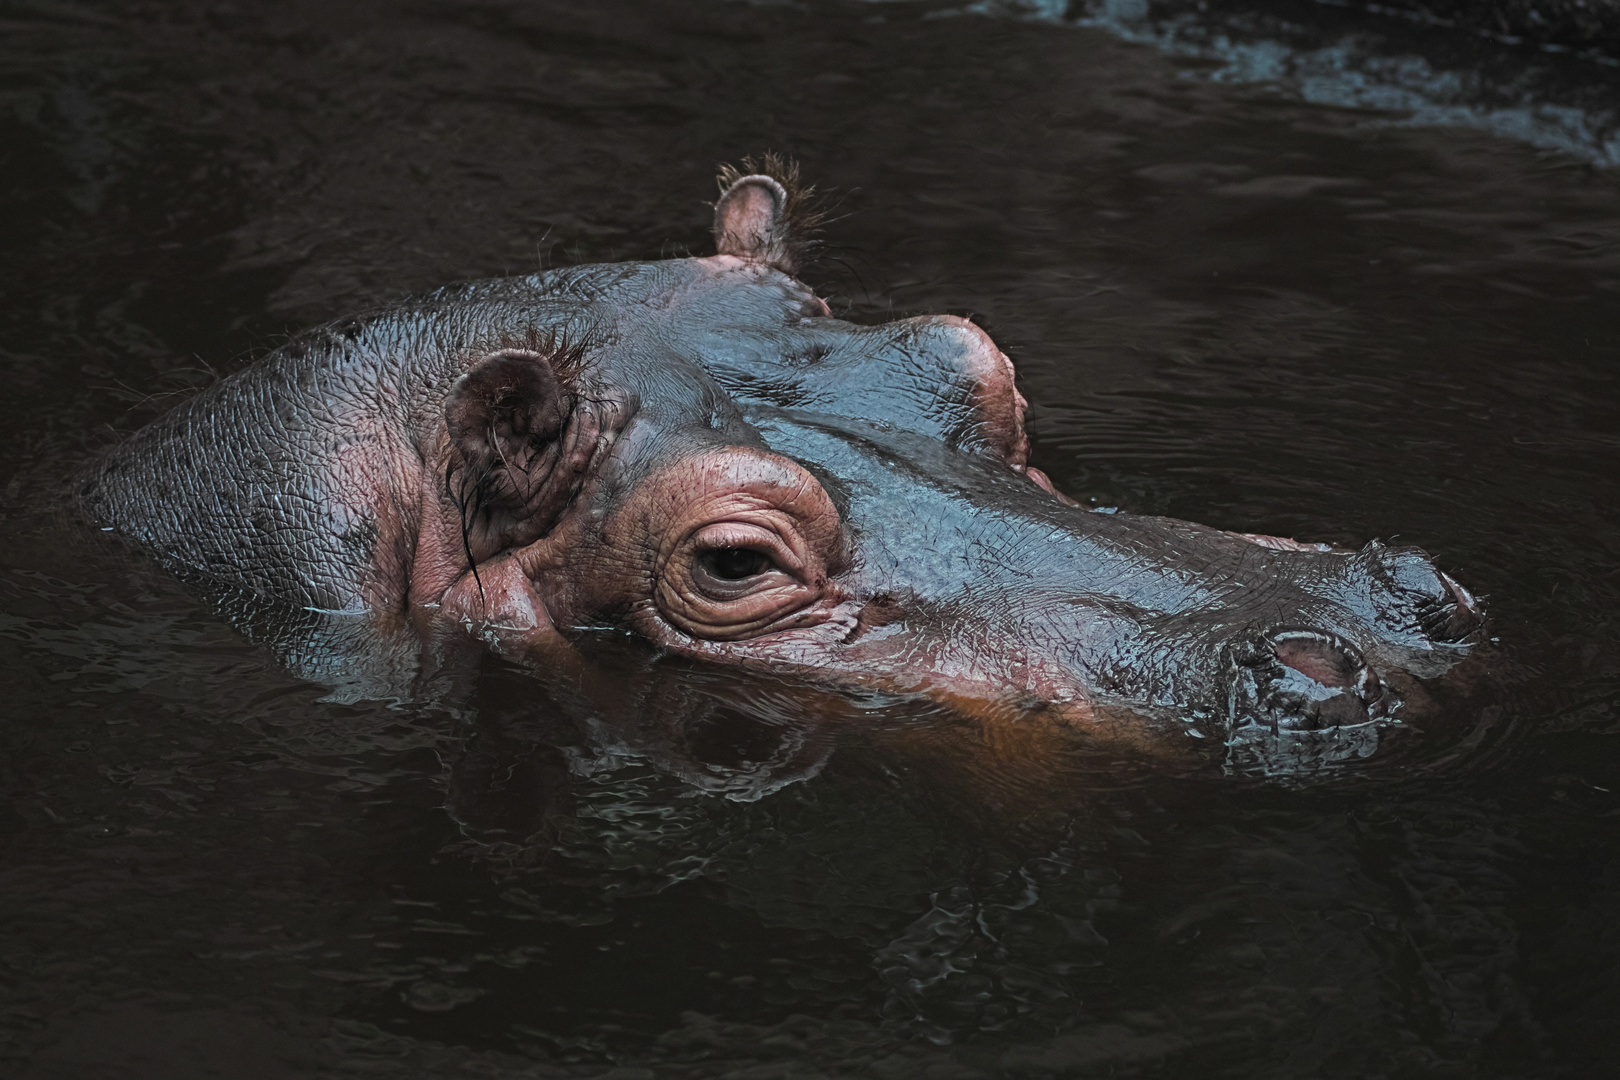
1044 482
499 597
1317 660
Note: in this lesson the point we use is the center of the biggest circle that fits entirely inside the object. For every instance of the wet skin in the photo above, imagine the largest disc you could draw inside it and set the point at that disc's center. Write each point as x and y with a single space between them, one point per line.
695 452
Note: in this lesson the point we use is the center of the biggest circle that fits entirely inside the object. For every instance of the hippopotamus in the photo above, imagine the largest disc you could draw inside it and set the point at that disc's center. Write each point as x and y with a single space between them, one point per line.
695 453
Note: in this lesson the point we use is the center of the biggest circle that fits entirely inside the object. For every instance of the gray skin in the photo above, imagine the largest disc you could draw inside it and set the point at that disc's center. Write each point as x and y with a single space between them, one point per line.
695 452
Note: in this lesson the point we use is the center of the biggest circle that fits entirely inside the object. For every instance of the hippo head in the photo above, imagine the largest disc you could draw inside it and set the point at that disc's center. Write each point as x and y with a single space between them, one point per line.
695 452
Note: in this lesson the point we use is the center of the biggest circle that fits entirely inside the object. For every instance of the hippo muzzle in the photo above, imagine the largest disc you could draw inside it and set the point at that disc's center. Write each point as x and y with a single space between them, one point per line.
976 582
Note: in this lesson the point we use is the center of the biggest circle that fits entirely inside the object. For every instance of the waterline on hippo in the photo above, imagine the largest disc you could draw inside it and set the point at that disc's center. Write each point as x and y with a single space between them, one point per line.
696 453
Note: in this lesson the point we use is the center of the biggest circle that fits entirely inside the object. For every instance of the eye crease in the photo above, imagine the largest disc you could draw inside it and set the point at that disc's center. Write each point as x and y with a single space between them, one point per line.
735 563
749 551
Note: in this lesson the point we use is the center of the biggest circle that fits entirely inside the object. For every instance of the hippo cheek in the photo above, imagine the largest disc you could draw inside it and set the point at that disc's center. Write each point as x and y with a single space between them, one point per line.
972 664
983 666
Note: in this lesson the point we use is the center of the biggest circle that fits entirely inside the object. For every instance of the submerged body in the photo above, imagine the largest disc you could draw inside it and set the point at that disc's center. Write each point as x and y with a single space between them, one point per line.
694 451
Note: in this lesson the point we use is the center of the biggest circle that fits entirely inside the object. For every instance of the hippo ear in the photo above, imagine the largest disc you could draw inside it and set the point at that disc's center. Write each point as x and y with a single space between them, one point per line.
507 418
507 408
750 220
766 213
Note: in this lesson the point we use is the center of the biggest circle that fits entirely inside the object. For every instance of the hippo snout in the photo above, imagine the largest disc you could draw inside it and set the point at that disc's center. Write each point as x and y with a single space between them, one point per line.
1301 679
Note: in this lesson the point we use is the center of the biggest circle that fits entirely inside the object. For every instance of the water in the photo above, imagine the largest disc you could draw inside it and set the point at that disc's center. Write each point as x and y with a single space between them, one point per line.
1227 303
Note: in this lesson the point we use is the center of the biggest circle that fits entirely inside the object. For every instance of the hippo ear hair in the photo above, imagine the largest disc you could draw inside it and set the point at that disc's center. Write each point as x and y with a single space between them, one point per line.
765 213
508 419
505 409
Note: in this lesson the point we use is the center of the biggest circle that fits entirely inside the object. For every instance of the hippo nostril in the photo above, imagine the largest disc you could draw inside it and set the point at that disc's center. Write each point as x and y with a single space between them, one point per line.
1441 609
1311 679
1316 657
1452 617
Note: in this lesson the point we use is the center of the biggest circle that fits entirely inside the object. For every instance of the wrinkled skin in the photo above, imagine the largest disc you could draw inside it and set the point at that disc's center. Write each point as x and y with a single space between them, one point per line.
695 452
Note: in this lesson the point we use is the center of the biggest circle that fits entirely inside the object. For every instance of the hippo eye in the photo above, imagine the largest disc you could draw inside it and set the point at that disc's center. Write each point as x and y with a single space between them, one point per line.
735 563
730 573
746 543
737 577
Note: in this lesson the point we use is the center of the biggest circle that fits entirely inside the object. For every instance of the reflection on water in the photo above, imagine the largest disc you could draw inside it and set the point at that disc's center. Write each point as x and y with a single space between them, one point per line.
1230 307
1419 72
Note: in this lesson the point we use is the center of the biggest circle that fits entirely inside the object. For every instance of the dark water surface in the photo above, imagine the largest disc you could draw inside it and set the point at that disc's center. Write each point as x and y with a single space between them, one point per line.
1226 306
